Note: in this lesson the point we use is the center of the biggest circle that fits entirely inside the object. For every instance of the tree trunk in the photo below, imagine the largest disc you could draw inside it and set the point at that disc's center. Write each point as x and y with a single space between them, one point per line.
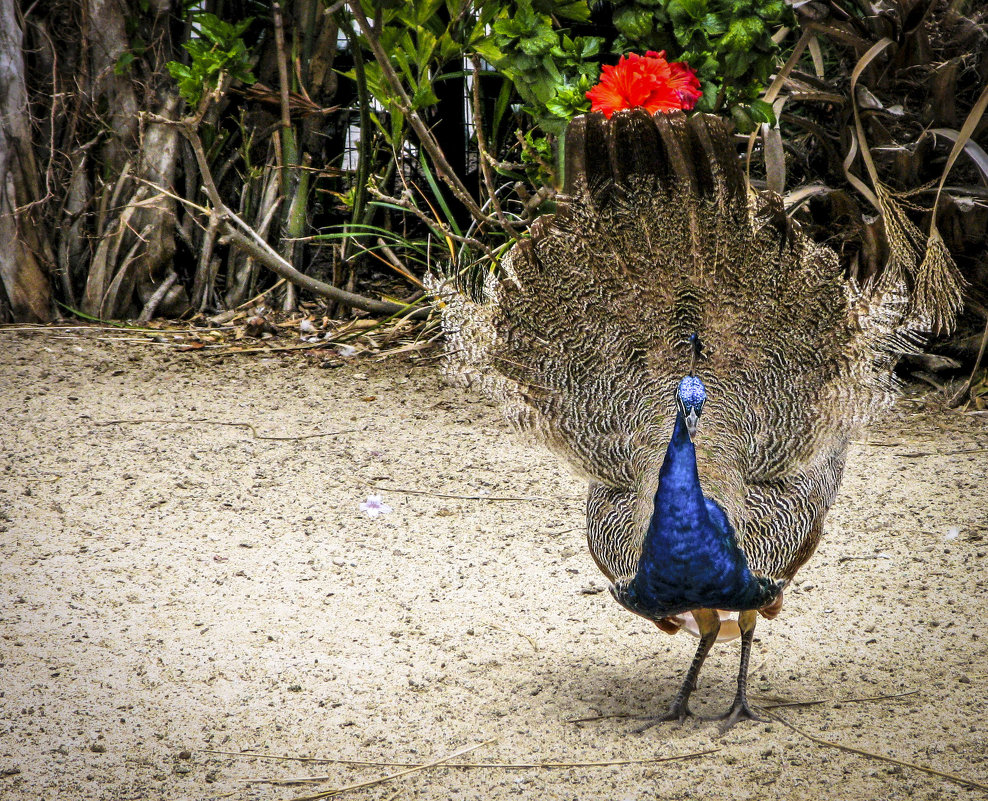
136 226
135 252
25 253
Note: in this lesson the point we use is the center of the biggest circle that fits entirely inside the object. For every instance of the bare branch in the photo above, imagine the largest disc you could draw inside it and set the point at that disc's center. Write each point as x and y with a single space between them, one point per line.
243 236
485 167
159 295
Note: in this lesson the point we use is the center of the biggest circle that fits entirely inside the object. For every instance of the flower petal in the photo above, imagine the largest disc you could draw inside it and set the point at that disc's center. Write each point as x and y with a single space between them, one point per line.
649 81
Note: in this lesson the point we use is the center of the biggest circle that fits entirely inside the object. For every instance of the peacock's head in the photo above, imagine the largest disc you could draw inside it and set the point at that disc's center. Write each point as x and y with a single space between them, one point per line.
690 395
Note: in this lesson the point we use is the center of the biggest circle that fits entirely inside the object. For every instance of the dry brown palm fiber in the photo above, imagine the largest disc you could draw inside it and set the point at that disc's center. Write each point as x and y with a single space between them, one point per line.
939 284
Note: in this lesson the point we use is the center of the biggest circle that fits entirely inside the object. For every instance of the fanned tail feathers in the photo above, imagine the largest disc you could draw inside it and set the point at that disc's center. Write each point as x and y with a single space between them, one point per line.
584 334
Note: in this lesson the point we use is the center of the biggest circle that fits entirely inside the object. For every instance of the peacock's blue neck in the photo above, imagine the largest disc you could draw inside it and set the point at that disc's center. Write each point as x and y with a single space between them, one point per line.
690 558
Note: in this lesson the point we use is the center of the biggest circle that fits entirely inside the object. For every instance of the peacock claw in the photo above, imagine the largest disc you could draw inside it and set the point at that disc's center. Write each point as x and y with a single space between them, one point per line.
678 712
740 710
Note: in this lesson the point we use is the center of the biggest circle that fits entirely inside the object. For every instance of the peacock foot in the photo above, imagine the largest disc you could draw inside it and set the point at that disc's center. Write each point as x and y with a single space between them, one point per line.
740 710
679 710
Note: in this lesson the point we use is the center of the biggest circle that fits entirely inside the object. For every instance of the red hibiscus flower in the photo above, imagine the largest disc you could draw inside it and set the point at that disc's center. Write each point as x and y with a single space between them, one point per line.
648 81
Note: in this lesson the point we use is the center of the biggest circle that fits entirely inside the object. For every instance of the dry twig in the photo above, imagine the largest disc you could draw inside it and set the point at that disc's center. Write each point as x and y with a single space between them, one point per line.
389 777
248 426
815 701
384 488
518 633
882 757
470 765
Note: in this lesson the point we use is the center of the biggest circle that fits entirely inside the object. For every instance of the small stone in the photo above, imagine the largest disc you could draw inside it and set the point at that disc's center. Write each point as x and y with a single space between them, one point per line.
98 748
185 754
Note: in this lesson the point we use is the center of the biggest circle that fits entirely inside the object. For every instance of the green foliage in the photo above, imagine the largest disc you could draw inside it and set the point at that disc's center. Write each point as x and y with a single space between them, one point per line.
550 70
217 47
571 99
546 65
727 42
550 67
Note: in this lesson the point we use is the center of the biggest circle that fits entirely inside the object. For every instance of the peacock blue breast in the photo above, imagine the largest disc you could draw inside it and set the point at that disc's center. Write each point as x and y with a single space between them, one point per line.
690 558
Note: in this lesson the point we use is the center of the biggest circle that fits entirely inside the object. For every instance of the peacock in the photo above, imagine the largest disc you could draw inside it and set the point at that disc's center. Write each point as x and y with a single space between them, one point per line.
682 344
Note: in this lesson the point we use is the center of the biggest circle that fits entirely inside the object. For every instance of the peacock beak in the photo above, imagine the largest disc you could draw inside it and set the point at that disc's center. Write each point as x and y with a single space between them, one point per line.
691 418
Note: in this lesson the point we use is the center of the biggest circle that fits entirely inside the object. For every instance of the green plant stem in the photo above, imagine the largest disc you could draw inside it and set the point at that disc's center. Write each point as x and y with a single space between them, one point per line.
439 228
404 103
364 145
294 182
309 10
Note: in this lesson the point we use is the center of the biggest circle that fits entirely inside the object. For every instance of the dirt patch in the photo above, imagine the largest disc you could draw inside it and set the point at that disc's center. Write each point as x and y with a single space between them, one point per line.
172 590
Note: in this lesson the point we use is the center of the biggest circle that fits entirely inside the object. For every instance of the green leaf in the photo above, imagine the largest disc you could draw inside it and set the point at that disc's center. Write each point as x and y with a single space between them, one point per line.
450 218
423 97
714 25
427 10
543 40
633 22
508 28
549 65
735 63
742 119
773 10
123 63
760 111
488 51
692 8
588 46
578 10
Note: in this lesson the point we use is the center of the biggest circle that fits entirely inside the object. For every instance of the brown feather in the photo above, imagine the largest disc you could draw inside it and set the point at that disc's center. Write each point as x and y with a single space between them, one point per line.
583 337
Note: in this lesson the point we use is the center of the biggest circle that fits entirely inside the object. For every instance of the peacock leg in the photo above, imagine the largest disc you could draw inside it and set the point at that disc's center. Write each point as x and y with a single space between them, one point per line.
739 709
708 622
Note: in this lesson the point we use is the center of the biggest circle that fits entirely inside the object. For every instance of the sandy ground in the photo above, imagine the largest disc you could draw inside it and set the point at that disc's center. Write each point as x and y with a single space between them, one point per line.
176 594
